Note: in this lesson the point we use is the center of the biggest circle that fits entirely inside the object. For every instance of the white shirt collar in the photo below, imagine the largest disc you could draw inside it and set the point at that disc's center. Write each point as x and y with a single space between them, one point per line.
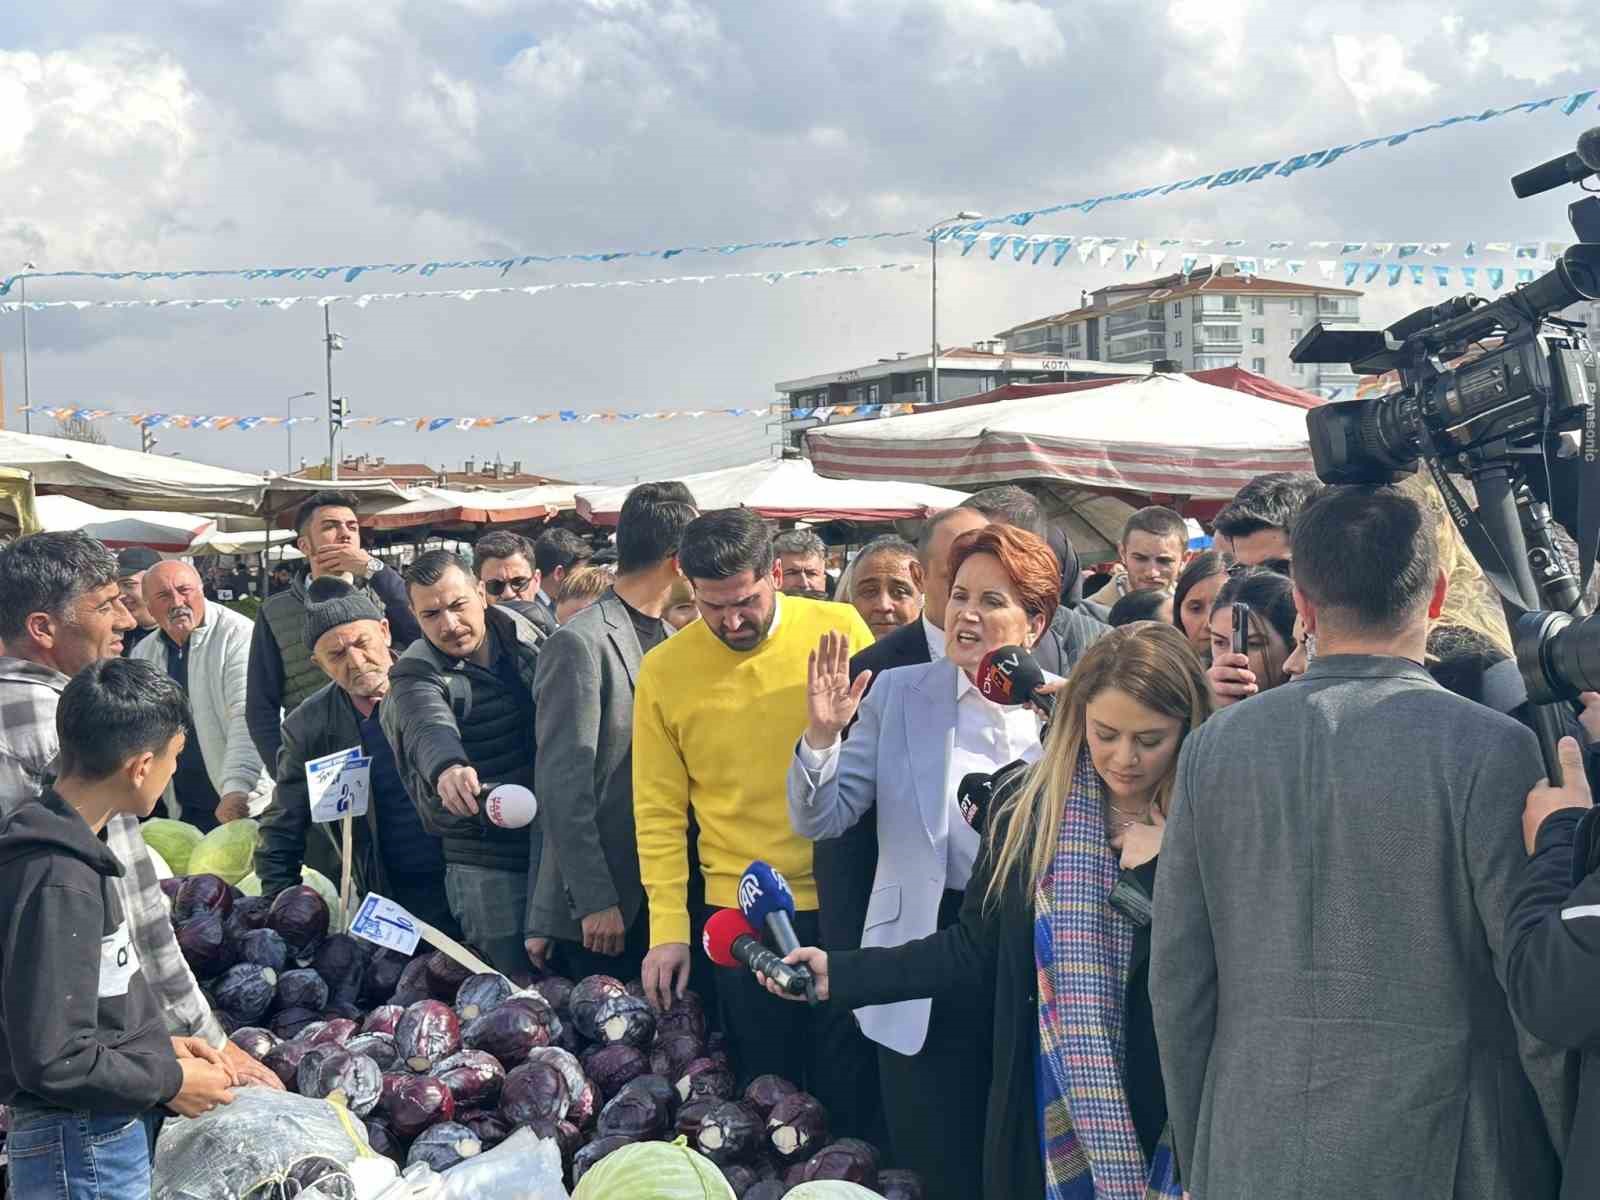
935 637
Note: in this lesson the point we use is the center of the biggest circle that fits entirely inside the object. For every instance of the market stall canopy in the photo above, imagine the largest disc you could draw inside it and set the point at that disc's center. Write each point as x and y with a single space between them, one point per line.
247 541
788 490
446 506
18 515
1167 434
166 532
1235 379
110 477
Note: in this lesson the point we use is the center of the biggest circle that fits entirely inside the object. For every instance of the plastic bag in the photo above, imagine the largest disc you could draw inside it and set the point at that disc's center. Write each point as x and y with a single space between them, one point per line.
523 1167
245 1150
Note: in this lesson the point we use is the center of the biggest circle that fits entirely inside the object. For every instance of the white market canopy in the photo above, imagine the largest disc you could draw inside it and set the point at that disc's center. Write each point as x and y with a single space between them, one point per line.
447 506
1164 434
247 541
110 477
788 490
166 532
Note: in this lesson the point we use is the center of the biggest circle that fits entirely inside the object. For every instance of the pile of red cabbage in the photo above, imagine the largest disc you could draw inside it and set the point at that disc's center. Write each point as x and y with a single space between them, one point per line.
442 1064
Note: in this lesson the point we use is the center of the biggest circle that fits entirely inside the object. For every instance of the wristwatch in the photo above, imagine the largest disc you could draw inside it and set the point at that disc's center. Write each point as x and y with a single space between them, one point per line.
374 565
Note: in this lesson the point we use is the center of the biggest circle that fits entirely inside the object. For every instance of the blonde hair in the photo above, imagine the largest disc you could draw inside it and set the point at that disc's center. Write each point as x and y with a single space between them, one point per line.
585 583
1469 601
1156 666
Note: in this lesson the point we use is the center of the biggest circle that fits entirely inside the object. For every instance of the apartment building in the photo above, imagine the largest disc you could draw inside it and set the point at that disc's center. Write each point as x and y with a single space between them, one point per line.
1211 318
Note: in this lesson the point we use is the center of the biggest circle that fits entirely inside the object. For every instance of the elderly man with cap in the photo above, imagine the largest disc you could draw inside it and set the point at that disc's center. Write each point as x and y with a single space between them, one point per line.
348 638
205 648
132 563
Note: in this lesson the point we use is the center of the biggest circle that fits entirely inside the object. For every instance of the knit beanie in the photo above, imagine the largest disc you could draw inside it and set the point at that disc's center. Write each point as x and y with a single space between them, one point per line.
331 602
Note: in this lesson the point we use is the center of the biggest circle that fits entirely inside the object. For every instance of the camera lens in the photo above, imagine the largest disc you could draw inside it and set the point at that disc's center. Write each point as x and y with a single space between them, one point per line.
1559 657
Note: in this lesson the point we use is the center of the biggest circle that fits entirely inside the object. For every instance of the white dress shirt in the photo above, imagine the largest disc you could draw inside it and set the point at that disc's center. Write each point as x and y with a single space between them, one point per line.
987 737
935 637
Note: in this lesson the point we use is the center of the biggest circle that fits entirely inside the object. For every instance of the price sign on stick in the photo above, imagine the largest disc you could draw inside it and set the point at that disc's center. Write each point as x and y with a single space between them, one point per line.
385 923
337 785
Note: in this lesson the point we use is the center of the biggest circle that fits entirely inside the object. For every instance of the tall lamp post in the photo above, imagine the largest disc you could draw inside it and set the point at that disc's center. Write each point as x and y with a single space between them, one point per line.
336 406
963 215
288 430
27 401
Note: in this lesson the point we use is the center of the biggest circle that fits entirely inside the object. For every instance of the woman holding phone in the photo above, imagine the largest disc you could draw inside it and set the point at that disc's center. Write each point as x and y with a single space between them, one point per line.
1054 927
1266 637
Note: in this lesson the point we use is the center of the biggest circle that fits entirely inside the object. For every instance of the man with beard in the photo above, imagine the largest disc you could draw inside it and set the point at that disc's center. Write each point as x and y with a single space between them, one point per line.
804 560
282 674
394 855
717 712
460 716
205 648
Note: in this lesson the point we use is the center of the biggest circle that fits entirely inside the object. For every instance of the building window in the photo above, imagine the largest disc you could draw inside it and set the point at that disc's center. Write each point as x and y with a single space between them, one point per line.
1177 339
1296 334
1258 306
1294 307
919 385
1258 365
1177 308
1209 334
1258 336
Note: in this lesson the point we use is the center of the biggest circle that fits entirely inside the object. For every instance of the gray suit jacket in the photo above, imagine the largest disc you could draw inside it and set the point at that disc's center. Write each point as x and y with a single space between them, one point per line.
897 757
583 696
1327 948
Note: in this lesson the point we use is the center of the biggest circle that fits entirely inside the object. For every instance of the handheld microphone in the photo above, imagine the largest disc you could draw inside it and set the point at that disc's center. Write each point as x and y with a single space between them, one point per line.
729 941
766 902
1563 169
973 795
1010 676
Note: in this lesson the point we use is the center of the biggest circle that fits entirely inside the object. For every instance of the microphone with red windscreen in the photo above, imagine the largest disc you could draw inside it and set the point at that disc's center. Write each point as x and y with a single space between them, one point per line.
730 941
1010 675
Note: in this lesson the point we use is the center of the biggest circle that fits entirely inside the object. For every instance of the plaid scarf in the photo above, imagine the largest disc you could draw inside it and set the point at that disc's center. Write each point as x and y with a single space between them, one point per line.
1084 950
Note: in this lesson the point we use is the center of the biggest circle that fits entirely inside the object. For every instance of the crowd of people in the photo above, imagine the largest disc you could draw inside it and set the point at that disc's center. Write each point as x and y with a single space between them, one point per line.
1262 895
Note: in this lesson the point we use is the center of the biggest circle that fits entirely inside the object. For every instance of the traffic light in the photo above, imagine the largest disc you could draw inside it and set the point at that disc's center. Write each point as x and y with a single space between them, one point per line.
147 439
338 411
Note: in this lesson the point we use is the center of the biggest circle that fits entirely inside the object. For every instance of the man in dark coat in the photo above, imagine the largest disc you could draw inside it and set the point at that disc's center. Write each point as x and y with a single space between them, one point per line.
394 855
1329 930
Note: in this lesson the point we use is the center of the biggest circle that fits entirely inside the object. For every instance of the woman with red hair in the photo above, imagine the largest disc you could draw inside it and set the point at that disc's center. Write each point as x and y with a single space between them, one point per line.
919 732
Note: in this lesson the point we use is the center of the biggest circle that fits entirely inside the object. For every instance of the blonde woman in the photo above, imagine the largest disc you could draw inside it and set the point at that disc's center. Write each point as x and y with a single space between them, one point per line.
1055 925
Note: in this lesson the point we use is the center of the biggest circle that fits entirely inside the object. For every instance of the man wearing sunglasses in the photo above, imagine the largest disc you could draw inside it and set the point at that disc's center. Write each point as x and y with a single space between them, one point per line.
504 562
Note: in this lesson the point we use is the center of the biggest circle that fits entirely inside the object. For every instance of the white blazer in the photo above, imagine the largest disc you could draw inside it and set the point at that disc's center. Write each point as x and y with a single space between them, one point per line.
897 757
219 665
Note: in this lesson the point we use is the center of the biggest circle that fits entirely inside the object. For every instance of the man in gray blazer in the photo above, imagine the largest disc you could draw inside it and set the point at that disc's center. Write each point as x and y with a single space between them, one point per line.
1328 944
586 895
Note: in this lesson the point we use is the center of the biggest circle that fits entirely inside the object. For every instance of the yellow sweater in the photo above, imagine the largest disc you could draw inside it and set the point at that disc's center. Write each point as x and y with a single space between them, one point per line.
713 731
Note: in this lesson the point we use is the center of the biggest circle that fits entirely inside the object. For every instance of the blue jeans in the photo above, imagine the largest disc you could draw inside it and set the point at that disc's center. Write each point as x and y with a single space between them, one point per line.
492 908
59 1155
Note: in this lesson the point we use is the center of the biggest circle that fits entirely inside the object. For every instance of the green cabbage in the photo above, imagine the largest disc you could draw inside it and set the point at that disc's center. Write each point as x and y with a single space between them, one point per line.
173 840
654 1171
830 1189
228 850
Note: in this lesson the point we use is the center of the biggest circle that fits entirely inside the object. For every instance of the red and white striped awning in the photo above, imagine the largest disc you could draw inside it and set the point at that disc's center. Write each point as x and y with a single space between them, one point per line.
1163 434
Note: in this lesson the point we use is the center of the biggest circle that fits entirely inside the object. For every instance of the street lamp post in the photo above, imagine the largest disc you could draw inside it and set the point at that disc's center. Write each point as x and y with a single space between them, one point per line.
333 341
288 430
963 215
27 401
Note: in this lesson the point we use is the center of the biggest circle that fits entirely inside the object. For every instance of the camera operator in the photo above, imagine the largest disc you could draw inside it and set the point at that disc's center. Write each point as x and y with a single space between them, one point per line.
1553 943
1328 941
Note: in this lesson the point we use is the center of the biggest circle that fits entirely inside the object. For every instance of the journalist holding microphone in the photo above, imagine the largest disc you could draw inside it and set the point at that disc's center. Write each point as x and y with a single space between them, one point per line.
921 729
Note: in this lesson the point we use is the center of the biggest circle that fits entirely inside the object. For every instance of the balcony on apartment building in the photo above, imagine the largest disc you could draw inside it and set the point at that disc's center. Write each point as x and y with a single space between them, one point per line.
1216 309
1218 339
1335 310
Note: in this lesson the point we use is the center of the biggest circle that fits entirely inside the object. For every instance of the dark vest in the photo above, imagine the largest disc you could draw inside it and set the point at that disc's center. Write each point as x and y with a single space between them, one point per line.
285 615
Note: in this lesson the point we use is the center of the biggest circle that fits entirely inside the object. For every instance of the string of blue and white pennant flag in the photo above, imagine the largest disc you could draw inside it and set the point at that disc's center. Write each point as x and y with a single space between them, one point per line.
1282 167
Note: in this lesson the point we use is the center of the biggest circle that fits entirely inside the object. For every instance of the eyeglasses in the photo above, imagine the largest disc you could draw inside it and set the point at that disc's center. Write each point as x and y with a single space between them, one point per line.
497 587
1279 566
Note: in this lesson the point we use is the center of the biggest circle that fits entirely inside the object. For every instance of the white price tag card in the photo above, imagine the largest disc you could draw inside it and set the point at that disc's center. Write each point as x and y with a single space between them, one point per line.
385 923
337 785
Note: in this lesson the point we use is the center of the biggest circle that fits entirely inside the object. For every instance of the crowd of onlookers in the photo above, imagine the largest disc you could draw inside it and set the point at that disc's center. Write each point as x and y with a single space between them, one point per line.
1174 926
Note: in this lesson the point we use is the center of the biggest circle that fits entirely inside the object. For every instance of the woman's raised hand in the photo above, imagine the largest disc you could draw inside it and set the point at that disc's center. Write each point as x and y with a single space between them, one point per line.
831 698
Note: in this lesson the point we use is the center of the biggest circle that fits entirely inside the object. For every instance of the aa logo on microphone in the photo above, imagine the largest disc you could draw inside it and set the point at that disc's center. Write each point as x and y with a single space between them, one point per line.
749 892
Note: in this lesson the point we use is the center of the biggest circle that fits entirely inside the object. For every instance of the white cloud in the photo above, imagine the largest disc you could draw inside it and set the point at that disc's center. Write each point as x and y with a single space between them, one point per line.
1374 69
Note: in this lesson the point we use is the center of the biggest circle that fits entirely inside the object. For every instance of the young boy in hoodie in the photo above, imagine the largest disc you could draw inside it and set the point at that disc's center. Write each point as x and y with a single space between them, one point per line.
85 1056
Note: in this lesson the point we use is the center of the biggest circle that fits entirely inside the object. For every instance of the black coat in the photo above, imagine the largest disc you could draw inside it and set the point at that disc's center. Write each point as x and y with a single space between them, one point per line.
993 947
844 866
326 723
1553 969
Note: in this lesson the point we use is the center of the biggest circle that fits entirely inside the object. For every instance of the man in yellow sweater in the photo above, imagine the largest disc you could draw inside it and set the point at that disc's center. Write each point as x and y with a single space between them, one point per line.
717 712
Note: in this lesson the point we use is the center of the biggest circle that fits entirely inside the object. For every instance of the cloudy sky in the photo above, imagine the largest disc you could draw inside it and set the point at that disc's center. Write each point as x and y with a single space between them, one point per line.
200 133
